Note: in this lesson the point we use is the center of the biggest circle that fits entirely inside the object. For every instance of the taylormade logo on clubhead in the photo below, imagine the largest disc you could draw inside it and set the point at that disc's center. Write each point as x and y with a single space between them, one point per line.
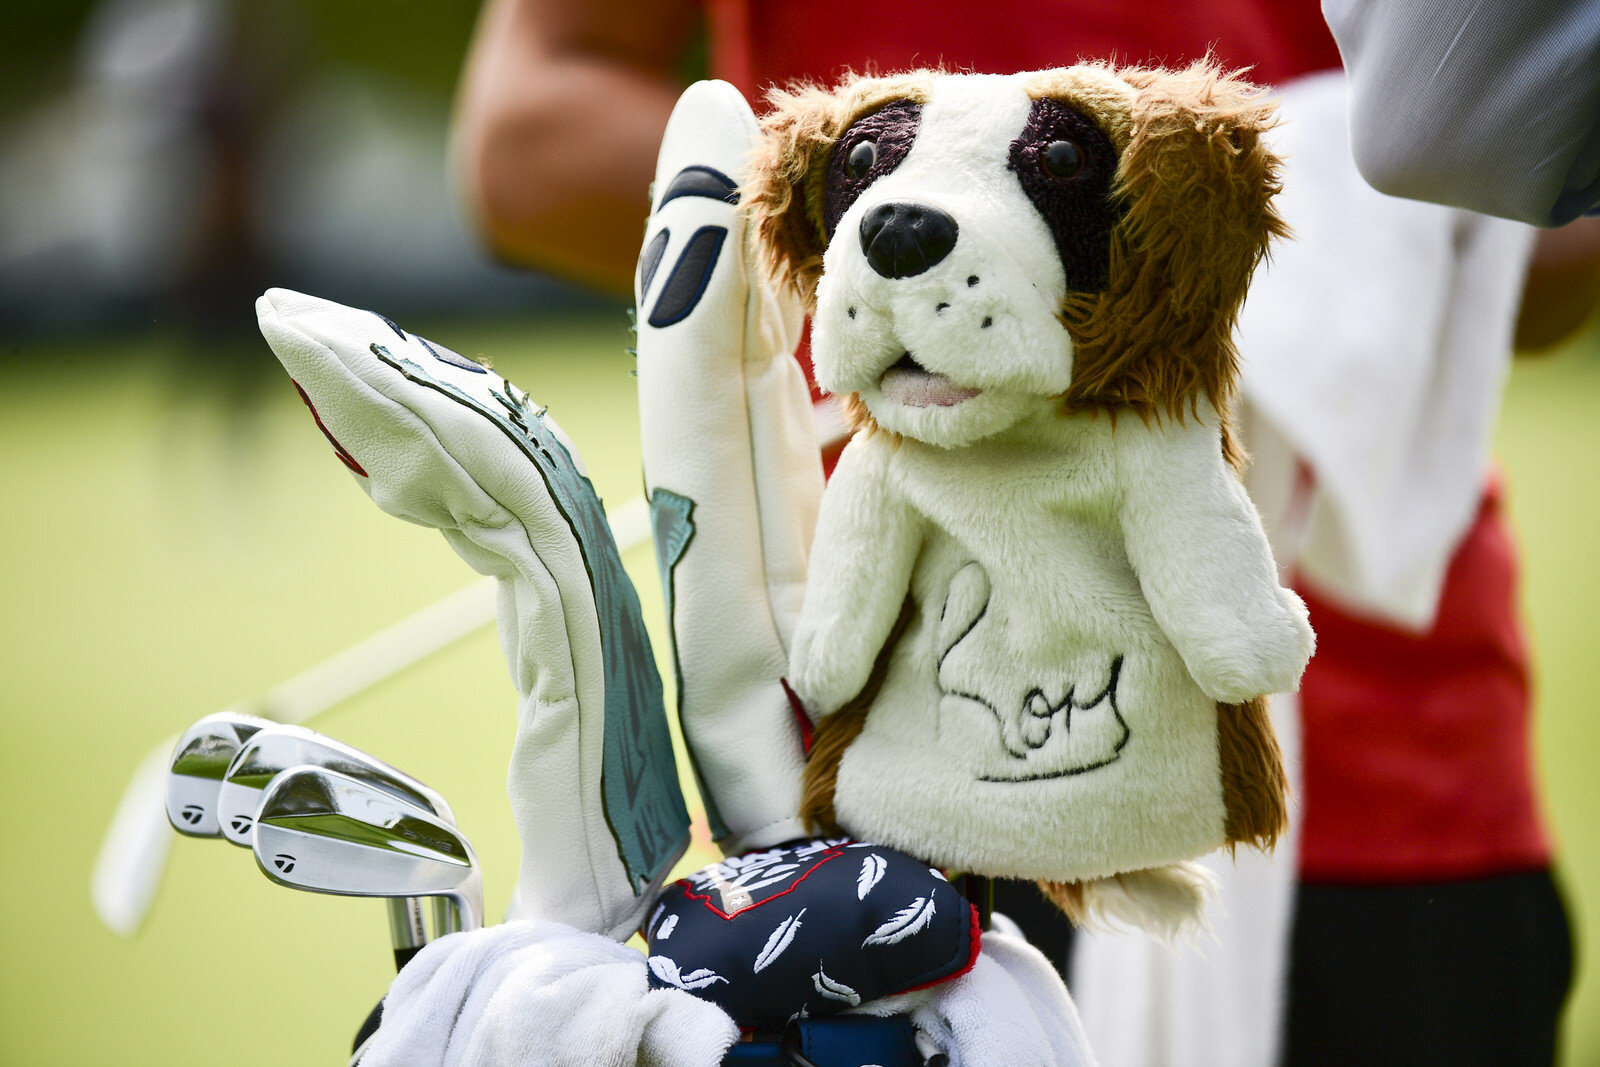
274 750
325 832
199 762
213 745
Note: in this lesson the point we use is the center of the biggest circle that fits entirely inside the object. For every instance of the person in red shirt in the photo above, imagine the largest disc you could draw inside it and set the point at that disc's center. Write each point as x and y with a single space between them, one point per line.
1427 927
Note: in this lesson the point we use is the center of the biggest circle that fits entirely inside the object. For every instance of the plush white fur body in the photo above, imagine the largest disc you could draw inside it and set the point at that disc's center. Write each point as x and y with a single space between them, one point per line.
1037 559
1087 588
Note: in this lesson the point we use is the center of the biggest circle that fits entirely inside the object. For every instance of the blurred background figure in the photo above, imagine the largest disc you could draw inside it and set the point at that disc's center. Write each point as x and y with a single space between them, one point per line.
131 190
170 159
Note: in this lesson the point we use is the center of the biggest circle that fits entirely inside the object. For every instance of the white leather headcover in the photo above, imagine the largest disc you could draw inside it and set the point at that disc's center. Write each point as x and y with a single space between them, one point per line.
732 468
441 441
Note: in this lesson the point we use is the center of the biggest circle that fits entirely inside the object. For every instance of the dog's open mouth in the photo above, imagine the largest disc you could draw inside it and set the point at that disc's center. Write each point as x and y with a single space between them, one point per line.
910 383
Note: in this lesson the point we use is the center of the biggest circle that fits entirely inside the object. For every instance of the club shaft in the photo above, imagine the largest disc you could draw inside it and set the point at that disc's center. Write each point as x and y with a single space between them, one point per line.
406 931
446 917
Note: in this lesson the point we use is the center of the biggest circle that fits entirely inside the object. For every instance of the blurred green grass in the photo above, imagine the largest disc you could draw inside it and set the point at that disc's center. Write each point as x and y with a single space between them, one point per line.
170 549
1548 441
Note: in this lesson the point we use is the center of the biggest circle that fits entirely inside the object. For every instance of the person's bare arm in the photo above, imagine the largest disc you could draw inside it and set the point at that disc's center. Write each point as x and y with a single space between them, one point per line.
560 114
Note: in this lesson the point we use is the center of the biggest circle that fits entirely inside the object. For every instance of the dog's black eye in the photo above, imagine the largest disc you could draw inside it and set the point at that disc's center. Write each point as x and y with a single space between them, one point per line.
1066 165
858 164
873 146
1061 159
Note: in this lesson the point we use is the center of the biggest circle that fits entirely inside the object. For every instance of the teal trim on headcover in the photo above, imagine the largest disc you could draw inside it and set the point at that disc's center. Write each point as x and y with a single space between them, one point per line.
639 777
672 523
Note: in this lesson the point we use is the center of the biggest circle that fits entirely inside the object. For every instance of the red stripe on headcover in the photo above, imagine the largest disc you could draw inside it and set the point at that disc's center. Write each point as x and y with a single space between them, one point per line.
705 898
339 450
807 730
974 947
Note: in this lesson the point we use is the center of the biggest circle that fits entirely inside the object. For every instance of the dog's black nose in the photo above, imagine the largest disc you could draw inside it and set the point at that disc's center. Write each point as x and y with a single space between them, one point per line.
904 238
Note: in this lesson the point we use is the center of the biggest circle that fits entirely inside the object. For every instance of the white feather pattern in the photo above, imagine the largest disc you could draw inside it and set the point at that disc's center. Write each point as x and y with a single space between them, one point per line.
666 928
762 877
909 920
667 970
835 990
780 939
872 869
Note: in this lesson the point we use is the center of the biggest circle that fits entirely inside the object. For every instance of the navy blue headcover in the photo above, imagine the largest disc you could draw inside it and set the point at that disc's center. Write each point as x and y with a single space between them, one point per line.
814 926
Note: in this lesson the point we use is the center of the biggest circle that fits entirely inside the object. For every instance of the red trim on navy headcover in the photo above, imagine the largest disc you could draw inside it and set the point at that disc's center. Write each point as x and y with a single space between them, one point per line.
339 450
807 730
975 946
705 898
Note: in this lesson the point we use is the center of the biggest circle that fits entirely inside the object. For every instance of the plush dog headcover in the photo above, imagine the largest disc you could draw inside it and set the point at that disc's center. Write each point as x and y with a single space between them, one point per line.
1158 231
977 249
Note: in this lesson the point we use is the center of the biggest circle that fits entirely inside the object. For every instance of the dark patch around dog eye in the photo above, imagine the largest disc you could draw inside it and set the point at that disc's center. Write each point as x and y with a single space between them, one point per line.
873 147
1066 166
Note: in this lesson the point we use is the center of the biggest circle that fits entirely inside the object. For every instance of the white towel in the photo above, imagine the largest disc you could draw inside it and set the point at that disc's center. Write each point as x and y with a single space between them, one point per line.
1375 343
541 994
1010 1010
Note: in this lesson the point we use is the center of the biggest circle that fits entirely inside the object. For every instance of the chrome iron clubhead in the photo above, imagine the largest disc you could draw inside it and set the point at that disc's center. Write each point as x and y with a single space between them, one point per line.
199 762
272 751
323 831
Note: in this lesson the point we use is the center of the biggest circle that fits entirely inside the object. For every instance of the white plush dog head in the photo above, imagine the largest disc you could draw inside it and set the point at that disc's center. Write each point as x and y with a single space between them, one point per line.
980 246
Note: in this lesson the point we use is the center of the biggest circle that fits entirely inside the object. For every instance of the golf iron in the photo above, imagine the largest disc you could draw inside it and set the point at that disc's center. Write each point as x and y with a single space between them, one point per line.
323 831
199 768
279 747
198 764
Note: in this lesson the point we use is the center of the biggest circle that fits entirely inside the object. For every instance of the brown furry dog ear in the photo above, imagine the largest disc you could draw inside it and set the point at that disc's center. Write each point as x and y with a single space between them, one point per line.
1196 183
781 188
